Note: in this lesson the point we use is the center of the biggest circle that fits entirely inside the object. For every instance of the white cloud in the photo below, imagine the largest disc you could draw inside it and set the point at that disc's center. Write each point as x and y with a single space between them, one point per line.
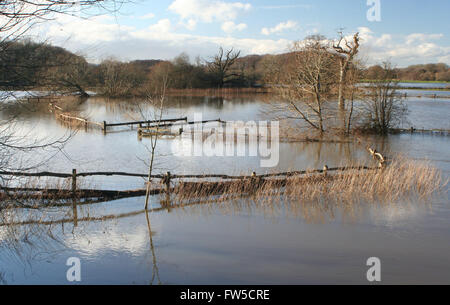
207 10
286 6
419 37
147 16
444 59
183 42
132 240
163 26
283 26
190 24
383 40
86 30
403 50
103 37
230 27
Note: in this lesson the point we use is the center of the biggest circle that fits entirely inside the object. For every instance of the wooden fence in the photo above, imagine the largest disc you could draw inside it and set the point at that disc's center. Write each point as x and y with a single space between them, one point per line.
96 196
164 128
412 130
72 119
166 179
146 128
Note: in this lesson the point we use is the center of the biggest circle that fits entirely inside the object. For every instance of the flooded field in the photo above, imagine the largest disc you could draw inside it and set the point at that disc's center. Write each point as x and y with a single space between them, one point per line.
227 243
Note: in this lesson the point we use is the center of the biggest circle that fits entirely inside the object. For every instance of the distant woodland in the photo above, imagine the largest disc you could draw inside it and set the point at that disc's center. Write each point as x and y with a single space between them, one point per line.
26 64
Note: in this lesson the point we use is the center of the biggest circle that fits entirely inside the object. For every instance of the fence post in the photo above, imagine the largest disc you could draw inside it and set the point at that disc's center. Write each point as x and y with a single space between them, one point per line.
74 203
325 170
254 182
75 212
166 181
104 127
74 181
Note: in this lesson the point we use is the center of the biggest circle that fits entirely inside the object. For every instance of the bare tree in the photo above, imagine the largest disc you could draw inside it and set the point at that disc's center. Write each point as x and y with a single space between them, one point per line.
157 108
68 74
351 92
114 77
347 52
159 75
307 83
17 17
221 66
155 270
383 106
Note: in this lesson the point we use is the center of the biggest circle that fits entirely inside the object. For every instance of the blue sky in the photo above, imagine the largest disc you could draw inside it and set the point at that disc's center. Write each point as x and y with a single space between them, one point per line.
409 32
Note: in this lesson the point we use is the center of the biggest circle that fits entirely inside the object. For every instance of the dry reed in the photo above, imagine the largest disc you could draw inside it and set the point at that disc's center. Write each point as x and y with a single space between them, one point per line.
401 179
219 92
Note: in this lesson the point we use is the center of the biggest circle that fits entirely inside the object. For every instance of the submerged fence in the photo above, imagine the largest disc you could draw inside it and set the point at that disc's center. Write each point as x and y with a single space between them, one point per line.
202 182
74 119
161 127
443 132
166 179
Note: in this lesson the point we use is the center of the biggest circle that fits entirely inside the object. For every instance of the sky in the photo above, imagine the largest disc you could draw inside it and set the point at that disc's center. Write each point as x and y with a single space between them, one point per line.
403 31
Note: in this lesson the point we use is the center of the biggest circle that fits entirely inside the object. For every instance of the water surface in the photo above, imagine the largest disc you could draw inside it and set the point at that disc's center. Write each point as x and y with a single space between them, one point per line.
229 244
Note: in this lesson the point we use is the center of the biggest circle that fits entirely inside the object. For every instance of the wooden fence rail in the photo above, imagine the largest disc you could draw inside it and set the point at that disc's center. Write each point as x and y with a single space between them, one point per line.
168 177
163 129
418 130
68 117
185 123
165 179
80 193
144 122
202 176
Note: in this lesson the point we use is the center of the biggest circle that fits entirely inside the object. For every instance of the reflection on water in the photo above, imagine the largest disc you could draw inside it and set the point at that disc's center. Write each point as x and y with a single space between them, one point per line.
424 85
207 243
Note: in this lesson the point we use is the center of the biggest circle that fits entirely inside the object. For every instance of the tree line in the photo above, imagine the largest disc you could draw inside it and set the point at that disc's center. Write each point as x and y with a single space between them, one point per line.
426 72
27 64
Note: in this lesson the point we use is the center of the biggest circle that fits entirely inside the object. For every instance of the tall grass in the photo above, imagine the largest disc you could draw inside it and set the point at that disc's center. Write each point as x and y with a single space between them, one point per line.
402 179
219 92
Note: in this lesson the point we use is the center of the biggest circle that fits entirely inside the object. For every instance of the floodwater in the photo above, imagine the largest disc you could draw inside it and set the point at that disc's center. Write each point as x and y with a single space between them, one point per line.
430 85
225 243
418 85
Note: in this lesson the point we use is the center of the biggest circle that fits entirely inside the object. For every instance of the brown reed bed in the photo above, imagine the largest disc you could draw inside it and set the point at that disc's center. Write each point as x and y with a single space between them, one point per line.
40 192
311 195
399 180
219 92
